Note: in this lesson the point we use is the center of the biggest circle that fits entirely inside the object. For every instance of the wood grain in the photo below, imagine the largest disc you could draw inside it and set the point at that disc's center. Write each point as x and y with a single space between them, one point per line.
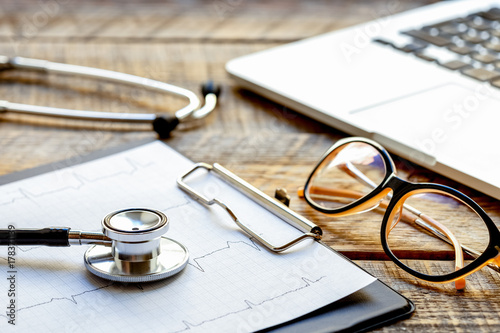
186 43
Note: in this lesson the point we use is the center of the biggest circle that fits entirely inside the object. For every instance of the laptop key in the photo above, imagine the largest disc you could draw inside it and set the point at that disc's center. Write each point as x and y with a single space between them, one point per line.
425 57
453 29
478 23
455 65
422 35
484 58
481 74
496 83
462 50
495 32
494 46
412 47
475 38
440 25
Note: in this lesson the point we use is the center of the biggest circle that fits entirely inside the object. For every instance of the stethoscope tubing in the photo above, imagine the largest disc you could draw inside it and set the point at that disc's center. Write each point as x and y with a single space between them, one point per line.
163 124
52 236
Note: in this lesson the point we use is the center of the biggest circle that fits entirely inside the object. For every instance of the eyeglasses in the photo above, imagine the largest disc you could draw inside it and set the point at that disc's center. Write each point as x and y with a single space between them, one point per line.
431 231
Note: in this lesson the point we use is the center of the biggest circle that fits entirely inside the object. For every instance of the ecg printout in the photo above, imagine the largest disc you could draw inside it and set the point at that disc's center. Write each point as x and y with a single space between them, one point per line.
231 283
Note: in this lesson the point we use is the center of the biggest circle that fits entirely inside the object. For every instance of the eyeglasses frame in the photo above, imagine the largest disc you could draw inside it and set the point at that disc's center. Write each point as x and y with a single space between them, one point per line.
399 188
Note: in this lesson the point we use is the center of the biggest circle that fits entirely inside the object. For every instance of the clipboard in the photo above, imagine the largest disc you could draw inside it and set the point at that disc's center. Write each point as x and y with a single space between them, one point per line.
372 306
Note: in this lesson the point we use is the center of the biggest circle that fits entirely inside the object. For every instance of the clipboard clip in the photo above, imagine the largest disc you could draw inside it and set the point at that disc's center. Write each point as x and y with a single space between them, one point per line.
277 208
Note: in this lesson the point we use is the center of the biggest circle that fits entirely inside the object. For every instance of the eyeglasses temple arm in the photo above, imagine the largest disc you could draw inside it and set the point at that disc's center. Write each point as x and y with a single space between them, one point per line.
473 253
354 172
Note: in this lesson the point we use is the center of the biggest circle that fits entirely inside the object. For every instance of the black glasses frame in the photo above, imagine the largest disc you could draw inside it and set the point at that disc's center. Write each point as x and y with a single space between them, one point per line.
399 188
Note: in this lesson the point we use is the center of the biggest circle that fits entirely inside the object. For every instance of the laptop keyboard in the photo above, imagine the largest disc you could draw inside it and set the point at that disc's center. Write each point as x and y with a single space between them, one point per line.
470 45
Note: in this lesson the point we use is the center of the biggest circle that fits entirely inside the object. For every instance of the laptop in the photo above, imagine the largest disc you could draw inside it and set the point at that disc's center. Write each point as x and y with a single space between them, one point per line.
425 84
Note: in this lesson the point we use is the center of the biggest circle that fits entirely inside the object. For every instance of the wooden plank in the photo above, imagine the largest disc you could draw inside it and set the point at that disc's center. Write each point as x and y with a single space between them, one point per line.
219 19
270 146
441 308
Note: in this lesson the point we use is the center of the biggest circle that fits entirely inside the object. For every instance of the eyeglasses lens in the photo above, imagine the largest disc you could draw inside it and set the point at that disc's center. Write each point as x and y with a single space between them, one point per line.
348 174
437 227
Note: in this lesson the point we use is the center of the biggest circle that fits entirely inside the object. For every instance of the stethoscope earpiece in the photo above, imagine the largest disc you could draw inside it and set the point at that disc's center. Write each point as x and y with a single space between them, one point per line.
165 124
210 88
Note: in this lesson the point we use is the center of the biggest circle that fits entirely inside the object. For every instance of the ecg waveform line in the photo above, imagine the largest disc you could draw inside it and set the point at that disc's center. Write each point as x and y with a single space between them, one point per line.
188 326
249 306
179 205
71 298
196 261
82 181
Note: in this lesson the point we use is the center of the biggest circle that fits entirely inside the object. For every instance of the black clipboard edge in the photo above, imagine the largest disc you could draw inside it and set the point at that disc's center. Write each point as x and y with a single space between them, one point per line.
371 307
353 313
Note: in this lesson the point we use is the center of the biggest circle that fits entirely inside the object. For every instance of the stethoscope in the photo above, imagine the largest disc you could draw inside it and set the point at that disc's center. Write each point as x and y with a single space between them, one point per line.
162 124
131 247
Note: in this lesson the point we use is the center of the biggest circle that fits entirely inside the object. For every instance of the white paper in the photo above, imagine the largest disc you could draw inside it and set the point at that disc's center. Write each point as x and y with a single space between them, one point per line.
231 283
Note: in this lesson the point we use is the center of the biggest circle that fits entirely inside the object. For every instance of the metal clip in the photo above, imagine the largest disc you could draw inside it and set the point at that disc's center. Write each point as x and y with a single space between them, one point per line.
310 229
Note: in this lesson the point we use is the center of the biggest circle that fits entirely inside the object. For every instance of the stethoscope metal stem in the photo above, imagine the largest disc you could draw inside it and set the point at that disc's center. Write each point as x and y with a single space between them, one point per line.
77 237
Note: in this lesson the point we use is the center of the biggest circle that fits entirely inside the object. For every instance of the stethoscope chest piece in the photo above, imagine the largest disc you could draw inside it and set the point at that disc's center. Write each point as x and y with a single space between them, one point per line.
138 252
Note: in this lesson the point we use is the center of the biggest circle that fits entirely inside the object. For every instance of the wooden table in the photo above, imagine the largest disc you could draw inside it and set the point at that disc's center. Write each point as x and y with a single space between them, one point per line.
263 142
